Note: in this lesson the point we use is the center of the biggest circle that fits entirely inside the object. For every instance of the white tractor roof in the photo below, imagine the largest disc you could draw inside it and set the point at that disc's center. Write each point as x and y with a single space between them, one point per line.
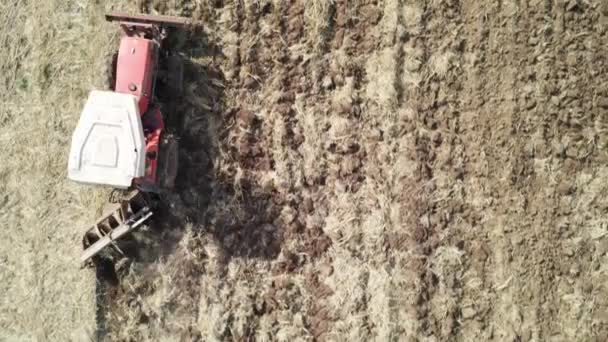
108 145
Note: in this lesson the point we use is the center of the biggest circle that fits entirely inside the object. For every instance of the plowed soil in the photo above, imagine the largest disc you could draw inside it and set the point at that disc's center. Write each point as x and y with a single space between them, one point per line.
429 170
386 170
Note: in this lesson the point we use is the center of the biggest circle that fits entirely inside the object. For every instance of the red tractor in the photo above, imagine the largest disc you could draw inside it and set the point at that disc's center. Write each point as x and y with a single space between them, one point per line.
120 139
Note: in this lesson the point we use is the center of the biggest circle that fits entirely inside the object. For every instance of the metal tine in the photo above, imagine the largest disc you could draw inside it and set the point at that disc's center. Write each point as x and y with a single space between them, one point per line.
117 248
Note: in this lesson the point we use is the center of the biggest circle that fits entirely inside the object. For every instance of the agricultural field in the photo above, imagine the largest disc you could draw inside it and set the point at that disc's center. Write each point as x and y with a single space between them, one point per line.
397 170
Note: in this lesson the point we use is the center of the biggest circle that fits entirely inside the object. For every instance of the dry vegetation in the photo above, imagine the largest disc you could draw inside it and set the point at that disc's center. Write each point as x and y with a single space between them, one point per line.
52 55
350 170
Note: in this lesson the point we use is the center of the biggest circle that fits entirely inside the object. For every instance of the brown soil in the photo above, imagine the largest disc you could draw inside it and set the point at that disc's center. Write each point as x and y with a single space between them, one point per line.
388 170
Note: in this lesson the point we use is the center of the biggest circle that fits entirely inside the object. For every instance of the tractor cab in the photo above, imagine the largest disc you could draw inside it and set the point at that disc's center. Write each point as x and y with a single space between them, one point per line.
108 144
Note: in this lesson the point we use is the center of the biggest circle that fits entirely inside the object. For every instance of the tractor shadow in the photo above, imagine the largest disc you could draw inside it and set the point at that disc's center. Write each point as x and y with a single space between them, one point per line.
207 200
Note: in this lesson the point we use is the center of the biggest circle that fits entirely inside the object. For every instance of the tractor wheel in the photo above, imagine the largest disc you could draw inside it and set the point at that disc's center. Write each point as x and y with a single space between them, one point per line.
176 72
171 77
168 161
111 71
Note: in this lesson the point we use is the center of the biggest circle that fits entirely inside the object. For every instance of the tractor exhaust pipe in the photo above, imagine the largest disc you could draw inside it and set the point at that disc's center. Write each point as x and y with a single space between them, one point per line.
160 20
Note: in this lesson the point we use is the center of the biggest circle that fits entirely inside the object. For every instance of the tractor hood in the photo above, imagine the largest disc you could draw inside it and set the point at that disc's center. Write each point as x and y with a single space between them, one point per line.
108 145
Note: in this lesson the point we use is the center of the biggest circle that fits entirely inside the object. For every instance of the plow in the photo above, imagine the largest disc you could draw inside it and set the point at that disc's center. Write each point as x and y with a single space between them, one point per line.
121 139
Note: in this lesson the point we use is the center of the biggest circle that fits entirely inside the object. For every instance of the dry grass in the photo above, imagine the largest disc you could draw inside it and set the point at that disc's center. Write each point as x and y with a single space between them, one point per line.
54 54
318 18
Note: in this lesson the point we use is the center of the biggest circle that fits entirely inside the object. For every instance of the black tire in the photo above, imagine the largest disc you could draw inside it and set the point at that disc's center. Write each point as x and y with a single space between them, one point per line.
175 65
111 71
171 78
168 161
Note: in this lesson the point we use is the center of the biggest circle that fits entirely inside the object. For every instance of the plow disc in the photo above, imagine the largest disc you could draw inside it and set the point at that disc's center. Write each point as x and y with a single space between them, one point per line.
120 218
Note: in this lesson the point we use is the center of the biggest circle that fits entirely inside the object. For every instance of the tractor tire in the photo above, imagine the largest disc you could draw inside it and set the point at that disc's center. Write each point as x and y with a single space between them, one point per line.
111 71
175 76
168 161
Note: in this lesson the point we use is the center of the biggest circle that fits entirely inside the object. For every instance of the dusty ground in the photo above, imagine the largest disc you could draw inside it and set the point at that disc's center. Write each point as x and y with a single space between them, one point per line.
50 57
368 170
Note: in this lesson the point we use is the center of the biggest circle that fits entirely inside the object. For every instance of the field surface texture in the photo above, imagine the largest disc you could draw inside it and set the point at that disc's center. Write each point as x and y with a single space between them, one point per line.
432 170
